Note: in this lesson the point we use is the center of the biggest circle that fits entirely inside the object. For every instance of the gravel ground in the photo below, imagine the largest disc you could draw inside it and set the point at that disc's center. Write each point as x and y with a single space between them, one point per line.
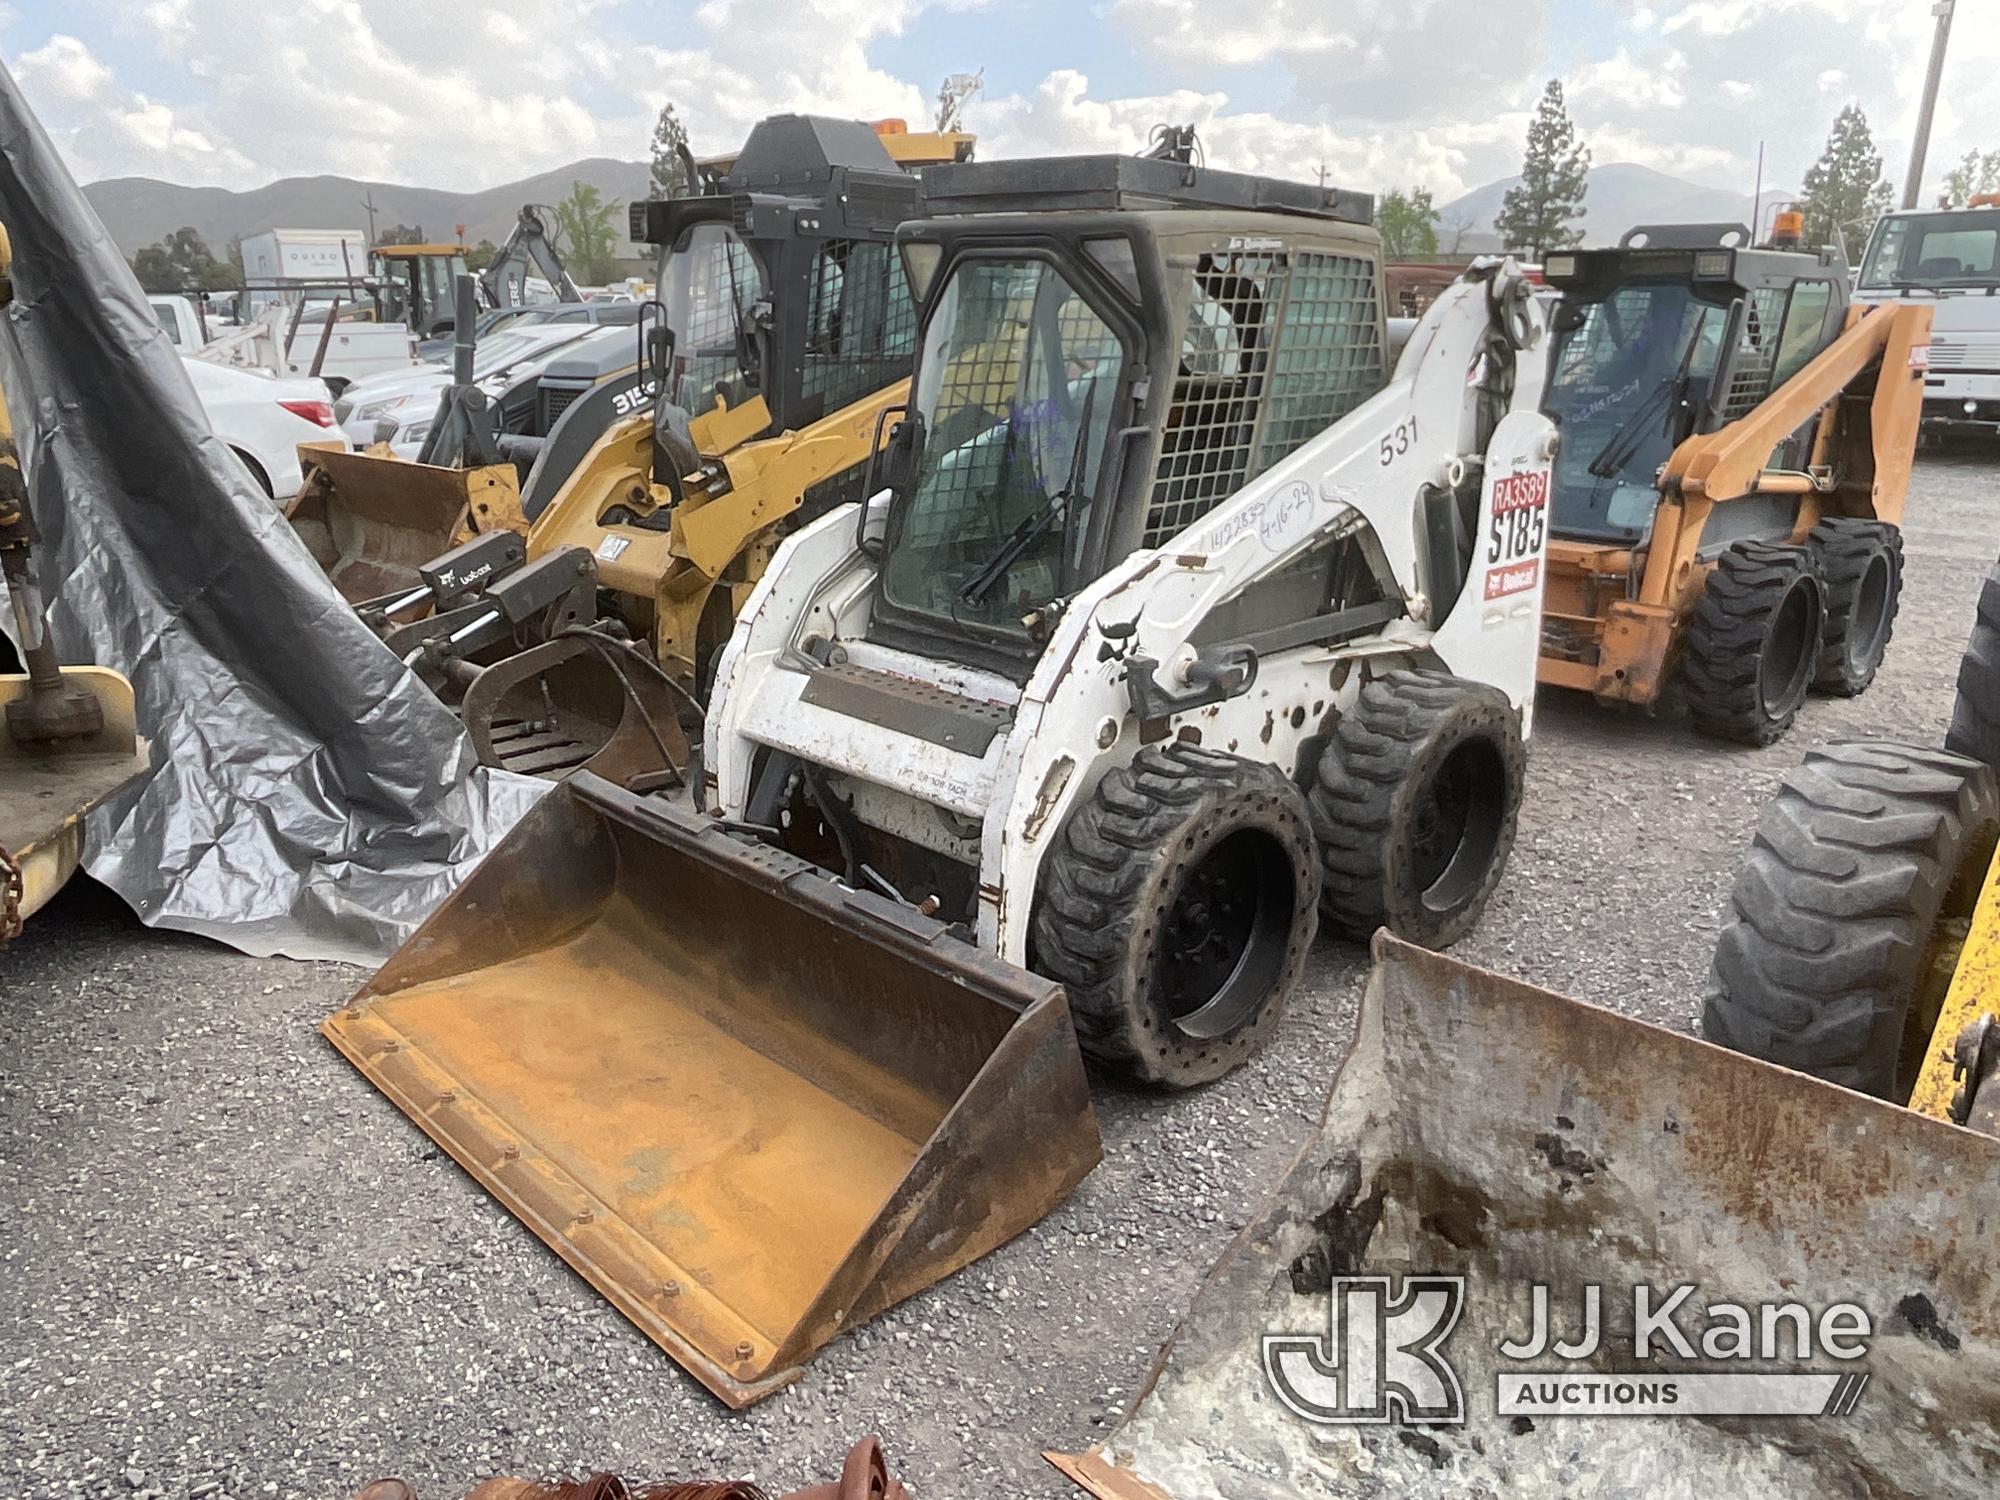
233 1269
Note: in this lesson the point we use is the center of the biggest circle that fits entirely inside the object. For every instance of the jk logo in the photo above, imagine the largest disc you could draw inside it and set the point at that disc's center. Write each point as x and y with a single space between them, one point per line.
1379 1360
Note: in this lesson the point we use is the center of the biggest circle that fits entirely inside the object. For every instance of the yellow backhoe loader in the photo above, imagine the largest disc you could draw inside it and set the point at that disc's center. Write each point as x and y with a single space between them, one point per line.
1737 441
69 739
784 339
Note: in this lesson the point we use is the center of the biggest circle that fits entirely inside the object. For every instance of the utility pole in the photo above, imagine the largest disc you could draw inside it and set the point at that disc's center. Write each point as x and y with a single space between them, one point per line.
1757 199
369 204
1913 184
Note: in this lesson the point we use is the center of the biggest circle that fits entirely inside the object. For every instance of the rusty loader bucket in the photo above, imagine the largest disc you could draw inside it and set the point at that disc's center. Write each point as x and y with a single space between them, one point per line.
372 519
751 1106
1487 1130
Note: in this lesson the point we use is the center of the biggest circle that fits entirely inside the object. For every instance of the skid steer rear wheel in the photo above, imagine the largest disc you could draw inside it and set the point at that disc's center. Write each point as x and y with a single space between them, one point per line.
1846 915
1862 564
1414 807
1177 908
1753 642
1975 716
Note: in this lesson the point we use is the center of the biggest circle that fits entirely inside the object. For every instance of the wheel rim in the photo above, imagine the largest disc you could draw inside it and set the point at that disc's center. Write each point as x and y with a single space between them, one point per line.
1224 939
1868 625
1458 818
1788 653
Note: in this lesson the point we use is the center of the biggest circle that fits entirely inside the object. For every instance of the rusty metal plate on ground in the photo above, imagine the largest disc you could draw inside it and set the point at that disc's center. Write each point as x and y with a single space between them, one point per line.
1486 1129
751 1106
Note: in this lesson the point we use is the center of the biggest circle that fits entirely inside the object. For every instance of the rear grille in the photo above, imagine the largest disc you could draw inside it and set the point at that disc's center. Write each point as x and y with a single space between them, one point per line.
1965 351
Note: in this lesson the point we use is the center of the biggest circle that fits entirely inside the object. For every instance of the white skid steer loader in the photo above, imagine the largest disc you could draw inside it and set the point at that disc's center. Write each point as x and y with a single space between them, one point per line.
1182 620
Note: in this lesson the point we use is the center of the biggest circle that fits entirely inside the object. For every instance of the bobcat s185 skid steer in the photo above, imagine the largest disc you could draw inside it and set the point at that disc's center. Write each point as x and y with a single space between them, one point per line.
1181 620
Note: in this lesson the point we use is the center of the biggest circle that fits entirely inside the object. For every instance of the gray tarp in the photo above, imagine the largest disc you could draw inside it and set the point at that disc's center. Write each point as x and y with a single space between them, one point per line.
308 795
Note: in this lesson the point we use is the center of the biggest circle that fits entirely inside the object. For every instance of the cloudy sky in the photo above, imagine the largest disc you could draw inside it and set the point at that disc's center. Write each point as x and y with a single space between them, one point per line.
474 93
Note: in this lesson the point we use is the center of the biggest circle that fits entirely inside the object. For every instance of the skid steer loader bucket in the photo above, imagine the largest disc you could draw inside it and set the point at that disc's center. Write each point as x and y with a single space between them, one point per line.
372 519
751 1106
1484 1129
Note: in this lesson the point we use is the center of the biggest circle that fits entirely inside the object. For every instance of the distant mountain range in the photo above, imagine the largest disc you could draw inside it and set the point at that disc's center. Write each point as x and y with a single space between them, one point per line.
1621 194
140 211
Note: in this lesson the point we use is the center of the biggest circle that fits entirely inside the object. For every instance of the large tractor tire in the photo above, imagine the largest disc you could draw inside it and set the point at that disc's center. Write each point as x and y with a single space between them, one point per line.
1753 642
1861 563
1414 807
1177 908
1975 716
1829 962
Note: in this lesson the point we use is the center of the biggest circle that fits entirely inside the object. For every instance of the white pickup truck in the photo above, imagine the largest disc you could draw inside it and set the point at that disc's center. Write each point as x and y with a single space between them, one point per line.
353 349
1949 257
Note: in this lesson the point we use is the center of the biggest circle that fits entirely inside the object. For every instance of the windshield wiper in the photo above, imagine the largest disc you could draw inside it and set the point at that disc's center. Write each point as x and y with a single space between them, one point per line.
1037 522
1622 444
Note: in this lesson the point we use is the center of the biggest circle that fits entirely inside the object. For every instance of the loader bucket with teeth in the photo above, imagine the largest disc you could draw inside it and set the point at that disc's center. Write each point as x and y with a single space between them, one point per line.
751 1106
1485 1129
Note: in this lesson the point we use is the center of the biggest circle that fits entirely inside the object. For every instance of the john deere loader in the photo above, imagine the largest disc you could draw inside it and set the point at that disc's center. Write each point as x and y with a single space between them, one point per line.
69 737
1737 442
784 334
1176 622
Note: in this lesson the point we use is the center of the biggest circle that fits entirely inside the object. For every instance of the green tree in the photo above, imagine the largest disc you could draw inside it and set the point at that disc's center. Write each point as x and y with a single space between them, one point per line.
1539 213
1845 191
673 167
480 256
586 235
1978 173
402 234
182 262
1409 224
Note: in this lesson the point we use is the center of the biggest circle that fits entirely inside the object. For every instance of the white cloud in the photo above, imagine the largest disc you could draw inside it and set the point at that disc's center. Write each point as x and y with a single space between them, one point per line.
1381 92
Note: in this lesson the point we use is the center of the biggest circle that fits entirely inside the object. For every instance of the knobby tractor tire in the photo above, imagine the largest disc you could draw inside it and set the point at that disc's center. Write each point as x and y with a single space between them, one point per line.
1828 960
1752 642
1975 716
1861 563
1177 907
1414 807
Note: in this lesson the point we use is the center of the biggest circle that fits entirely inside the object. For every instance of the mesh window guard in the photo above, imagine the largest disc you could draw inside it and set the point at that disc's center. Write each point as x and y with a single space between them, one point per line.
861 326
1277 347
1755 355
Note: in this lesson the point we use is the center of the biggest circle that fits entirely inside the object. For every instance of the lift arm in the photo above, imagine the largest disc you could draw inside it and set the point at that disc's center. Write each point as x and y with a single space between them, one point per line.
527 248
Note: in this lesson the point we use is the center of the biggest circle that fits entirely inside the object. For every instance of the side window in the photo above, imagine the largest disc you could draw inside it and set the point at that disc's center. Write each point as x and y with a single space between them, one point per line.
1277 346
1805 329
1755 355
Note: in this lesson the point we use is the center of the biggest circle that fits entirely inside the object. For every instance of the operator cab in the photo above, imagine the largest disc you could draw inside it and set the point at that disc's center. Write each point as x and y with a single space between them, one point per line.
1681 329
1112 346
416 285
782 286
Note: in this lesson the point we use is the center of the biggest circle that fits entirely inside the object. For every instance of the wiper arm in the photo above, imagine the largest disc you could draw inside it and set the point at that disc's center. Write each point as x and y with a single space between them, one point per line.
1036 524
1618 451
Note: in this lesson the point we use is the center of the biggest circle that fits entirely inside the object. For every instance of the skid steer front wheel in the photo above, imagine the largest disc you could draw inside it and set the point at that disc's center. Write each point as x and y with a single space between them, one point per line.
1414 807
1839 942
1753 642
1862 563
1177 908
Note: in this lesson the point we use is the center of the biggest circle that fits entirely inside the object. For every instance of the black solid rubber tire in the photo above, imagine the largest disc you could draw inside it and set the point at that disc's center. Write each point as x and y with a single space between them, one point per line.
1731 630
1371 792
1108 886
1866 848
1851 646
1975 715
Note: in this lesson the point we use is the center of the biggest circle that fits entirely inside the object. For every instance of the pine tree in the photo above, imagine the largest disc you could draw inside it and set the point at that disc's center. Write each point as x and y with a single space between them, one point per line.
672 177
1540 213
1845 191
1408 222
